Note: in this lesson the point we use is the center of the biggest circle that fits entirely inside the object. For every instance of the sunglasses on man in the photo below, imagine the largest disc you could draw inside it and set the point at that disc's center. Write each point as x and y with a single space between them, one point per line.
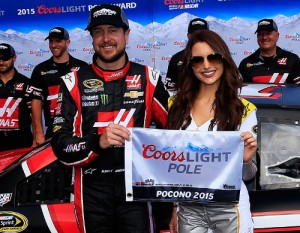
5 58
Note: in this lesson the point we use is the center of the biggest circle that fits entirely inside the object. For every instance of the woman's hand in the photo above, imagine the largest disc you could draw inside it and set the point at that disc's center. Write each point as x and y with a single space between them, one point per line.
250 146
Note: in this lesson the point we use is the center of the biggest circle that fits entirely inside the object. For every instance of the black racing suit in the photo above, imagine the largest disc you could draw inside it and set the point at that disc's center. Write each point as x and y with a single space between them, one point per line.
91 98
45 81
15 119
284 67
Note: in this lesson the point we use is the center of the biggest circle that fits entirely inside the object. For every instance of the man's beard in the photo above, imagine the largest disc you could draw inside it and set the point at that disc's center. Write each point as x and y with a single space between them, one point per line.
116 57
9 68
59 54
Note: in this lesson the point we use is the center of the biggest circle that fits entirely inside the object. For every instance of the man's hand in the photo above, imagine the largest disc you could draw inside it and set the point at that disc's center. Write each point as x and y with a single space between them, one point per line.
114 135
39 138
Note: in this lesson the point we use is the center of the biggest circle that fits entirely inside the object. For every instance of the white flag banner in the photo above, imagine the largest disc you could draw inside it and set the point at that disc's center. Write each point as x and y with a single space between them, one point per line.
182 165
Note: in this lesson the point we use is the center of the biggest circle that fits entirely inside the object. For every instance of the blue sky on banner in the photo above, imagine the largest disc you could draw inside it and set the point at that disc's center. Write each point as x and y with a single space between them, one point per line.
25 16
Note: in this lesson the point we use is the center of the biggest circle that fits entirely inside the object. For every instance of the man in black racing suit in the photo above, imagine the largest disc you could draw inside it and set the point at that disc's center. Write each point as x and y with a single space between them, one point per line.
95 106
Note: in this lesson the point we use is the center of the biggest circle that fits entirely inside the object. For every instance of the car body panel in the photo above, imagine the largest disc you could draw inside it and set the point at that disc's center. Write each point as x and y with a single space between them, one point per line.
27 203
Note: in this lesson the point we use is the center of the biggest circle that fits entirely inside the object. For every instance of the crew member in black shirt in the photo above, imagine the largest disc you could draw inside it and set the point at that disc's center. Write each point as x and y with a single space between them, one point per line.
15 119
269 63
45 80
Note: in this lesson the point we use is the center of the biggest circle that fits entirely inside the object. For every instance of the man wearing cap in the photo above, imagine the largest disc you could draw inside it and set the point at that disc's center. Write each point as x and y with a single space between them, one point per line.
15 119
98 103
270 63
175 63
45 81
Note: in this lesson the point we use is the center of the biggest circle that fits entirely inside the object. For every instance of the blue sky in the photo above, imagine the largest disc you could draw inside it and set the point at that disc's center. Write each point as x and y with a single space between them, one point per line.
225 9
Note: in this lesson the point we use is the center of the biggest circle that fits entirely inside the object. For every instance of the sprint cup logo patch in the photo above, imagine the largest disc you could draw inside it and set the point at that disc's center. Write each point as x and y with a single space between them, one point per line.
12 222
93 83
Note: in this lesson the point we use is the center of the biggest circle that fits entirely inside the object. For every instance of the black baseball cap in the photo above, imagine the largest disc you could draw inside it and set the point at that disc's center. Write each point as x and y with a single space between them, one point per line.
7 50
196 24
58 32
266 24
107 14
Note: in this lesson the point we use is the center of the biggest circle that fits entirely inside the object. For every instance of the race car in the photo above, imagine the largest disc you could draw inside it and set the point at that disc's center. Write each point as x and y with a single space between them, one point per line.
274 195
36 191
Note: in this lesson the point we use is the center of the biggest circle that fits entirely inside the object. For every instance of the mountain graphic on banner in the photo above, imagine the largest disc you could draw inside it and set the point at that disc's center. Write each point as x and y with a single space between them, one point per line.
155 43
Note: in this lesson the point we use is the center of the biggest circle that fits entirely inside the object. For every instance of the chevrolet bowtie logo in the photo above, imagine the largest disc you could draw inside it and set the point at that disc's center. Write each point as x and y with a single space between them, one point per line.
133 94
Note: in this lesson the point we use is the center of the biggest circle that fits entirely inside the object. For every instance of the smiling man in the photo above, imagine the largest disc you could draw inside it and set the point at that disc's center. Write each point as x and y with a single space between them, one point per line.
99 103
270 63
45 80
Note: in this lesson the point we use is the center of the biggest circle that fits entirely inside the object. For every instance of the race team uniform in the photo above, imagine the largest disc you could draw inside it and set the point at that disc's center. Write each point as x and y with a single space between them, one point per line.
45 81
281 68
15 118
174 69
89 100
222 217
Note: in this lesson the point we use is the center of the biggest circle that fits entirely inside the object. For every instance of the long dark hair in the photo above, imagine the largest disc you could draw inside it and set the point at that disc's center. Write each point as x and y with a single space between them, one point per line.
228 107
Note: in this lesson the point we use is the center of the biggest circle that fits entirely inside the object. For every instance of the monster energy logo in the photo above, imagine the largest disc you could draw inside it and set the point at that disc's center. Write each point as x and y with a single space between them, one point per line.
104 99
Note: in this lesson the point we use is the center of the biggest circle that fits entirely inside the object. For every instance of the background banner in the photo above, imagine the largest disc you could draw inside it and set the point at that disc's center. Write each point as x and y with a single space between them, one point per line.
158 27
182 165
